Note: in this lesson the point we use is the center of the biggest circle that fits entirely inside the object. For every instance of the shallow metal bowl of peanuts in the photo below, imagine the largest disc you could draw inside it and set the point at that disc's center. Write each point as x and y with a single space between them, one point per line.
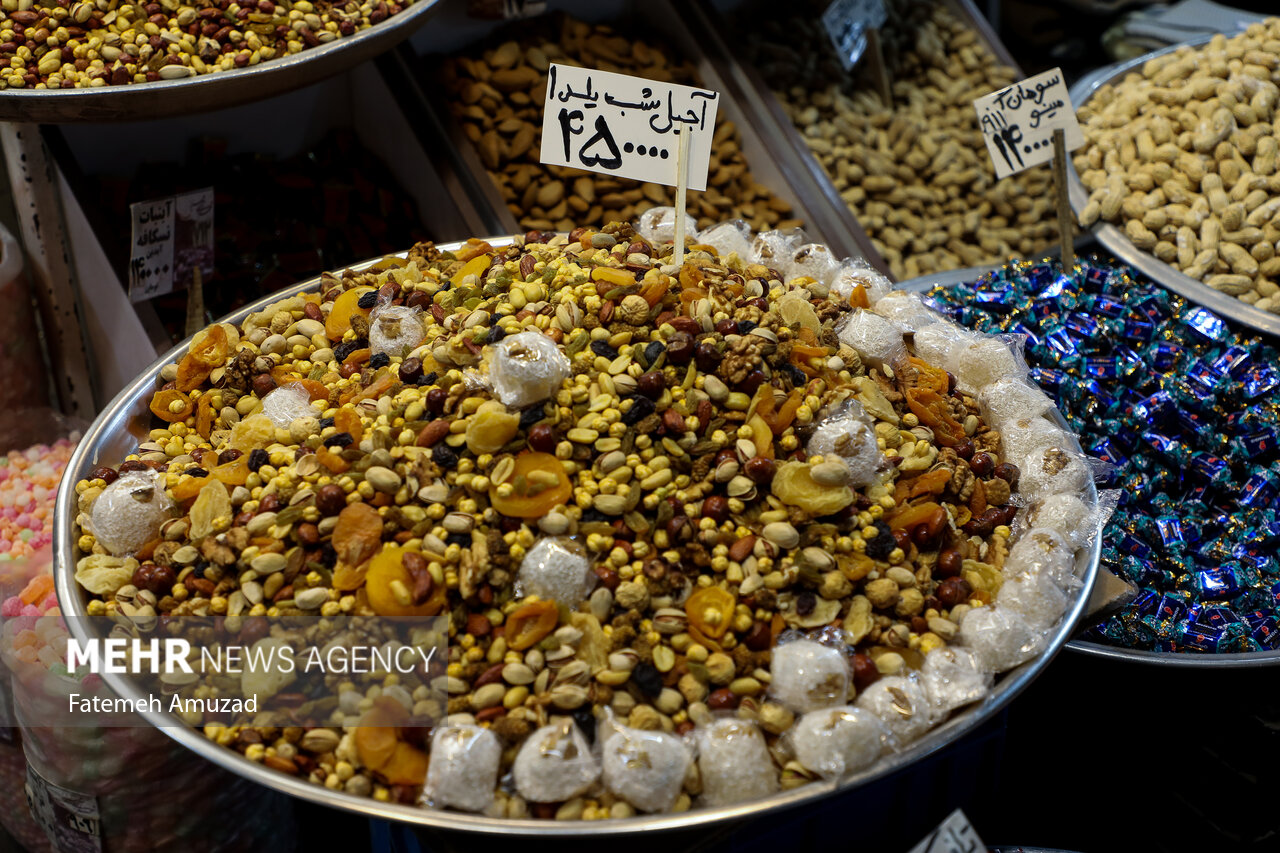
742 701
1174 237
341 41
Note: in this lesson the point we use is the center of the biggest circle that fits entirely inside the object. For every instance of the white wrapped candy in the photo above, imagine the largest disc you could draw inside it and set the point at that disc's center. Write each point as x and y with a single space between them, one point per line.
555 569
129 512
906 311
953 677
1009 400
1035 597
983 362
527 368
852 273
774 249
834 741
394 330
808 676
464 768
734 761
645 768
849 438
937 344
729 238
555 764
1051 470
877 340
1041 551
1020 438
813 260
287 404
657 226
999 637
901 706
1066 515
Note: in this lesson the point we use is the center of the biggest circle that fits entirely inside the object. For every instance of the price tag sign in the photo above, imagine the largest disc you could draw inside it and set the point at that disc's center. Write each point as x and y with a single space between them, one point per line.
151 249
953 835
193 234
626 126
1018 122
847 23
69 818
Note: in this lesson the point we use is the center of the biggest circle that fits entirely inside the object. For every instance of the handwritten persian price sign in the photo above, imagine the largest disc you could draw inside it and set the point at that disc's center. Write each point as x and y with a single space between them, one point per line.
847 23
69 818
626 126
151 249
1018 122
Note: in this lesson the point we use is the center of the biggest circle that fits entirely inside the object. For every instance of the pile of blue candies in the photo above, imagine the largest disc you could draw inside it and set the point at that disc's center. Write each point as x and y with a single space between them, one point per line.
1186 407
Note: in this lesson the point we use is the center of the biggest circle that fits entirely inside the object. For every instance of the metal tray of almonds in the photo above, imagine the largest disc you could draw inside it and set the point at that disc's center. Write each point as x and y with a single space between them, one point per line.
125 423
180 90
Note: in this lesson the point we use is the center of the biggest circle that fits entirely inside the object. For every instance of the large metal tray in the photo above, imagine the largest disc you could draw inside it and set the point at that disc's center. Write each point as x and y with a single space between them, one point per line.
1114 238
165 98
125 423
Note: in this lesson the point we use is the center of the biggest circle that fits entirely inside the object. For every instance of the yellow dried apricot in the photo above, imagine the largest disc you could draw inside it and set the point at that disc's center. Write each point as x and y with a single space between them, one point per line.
794 485
539 484
356 538
477 267
932 410
529 623
381 747
395 581
171 405
344 308
710 611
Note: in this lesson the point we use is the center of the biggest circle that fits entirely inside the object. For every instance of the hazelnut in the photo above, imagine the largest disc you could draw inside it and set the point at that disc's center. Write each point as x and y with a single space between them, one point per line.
331 499
953 591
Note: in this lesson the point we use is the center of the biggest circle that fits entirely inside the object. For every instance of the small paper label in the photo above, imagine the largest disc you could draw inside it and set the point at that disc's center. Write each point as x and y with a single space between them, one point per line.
847 23
1018 122
69 818
626 126
151 249
193 235
953 835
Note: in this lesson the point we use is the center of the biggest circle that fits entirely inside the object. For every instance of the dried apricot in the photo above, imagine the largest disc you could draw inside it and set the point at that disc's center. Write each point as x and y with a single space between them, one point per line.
710 611
252 433
473 248
928 376
191 374
356 538
539 484
171 405
204 416
347 420
210 348
858 297
801 354
391 586
335 463
381 748
377 388
476 266
529 623
344 307
932 410
793 484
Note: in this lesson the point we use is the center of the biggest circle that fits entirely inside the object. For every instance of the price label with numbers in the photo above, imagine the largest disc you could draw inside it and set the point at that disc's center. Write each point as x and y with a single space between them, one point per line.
626 126
847 23
69 818
1018 122
151 249
953 835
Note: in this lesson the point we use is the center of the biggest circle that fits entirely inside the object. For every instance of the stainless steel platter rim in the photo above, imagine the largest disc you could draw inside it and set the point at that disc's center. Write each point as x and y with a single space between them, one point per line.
116 416
131 100
1115 240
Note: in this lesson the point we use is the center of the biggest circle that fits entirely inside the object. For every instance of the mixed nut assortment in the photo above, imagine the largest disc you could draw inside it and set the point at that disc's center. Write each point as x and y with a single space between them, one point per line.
92 43
498 98
1183 155
716 518
915 173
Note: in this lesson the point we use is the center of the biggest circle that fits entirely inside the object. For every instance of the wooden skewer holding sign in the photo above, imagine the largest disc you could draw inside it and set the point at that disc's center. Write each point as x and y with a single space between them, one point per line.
682 188
1066 219
879 68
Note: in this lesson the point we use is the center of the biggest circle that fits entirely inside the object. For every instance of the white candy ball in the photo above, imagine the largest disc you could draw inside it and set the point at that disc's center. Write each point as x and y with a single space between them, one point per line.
556 569
554 764
849 438
1010 400
814 260
808 676
1035 597
734 761
463 772
728 238
657 225
645 768
953 677
1051 470
936 344
901 706
1020 438
527 368
877 340
906 311
852 273
1042 551
983 362
286 404
1066 515
999 637
129 512
834 741
395 330
774 249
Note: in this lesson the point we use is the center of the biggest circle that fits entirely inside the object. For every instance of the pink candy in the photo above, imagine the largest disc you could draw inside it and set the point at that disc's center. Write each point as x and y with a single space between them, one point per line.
12 607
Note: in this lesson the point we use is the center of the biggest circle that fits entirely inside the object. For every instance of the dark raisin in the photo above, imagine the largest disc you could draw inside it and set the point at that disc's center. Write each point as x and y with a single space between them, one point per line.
495 334
326 422
586 720
745 326
647 679
339 439
593 515
444 456
196 472
805 602
229 455
462 540
429 379
342 350
880 546
798 377
641 408
602 349
368 300
531 416
259 457
379 359
653 351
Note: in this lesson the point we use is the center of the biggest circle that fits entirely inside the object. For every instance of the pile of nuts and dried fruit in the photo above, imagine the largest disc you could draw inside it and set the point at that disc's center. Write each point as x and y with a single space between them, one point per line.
93 43
916 175
498 95
1183 155
717 504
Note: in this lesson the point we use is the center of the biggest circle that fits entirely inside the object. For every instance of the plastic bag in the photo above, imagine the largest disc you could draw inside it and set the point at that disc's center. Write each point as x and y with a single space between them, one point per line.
555 568
877 341
463 772
857 272
835 741
906 311
901 705
555 764
657 225
953 677
999 637
807 675
734 762
645 768
527 368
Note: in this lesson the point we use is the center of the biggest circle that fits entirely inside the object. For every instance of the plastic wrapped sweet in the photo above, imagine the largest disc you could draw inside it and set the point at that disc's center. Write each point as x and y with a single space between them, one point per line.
848 437
129 512
1035 597
1009 400
394 330
1000 638
734 761
729 238
877 340
527 368
834 741
1066 515
775 249
900 704
1051 470
1020 438
287 404
813 260
937 344
1042 551
556 569
808 676
555 764
657 225
464 768
645 768
906 311
985 361
953 677
852 273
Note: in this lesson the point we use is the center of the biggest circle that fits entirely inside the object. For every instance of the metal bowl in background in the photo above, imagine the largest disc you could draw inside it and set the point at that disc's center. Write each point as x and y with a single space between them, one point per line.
166 98
125 423
1114 238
